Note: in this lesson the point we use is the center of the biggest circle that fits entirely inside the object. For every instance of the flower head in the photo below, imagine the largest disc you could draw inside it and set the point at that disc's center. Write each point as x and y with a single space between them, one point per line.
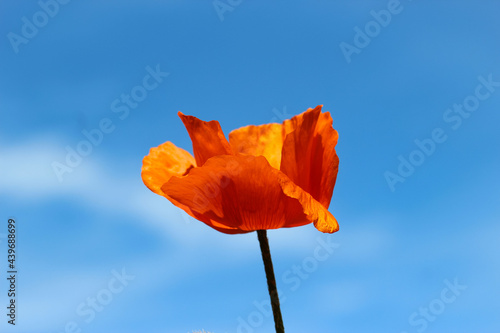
265 177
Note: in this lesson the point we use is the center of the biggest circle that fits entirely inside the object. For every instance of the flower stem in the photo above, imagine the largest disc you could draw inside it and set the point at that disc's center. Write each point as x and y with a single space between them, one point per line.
271 281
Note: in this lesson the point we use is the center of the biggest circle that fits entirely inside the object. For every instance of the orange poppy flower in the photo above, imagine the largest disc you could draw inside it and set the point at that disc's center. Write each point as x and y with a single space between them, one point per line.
265 177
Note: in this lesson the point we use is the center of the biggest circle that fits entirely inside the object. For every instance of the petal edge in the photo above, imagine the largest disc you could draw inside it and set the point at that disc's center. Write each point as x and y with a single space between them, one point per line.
207 138
162 163
316 213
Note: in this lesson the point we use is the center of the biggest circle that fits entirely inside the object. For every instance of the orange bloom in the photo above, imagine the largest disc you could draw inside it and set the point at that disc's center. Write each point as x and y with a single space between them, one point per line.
266 177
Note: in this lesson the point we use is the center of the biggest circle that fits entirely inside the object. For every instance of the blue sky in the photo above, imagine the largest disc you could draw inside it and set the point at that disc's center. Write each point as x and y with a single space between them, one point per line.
417 248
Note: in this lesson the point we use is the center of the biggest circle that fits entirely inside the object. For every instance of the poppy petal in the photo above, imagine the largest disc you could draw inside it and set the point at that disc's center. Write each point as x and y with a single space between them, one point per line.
315 212
238 191
265 140
308 155
162 163
166 161
207 137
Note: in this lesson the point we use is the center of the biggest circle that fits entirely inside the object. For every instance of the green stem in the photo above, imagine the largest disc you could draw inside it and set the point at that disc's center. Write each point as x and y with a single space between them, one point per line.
271 281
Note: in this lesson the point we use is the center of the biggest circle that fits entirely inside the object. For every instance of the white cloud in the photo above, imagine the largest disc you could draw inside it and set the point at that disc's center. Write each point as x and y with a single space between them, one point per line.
27 172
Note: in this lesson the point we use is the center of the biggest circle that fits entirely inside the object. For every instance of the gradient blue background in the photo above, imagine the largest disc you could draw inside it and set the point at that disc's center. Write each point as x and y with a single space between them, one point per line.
263 62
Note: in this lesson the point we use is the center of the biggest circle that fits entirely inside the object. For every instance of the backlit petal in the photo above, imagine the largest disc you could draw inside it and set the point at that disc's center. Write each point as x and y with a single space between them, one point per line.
164 162
238 191
315 212
265 140
308 155
207 137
